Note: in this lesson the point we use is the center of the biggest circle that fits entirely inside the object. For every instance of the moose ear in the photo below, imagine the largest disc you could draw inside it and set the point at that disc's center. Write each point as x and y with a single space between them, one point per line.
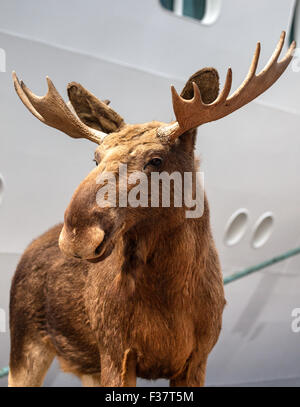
207 80
92 111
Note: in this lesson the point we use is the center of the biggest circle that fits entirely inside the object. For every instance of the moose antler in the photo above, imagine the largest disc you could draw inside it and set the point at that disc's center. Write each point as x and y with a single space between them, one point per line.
192 113
53 111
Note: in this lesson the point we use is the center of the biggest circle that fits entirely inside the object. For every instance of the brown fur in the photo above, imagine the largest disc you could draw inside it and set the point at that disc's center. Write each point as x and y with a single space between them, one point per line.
129 369
152 307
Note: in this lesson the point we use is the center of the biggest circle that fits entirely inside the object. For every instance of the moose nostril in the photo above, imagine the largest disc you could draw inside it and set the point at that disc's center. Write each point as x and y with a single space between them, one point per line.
98 249
102 237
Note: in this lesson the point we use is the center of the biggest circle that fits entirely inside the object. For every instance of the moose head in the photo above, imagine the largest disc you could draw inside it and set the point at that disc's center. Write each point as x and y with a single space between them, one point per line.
89 230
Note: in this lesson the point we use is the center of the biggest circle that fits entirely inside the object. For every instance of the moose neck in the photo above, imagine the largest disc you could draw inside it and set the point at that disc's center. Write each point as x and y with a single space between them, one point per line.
162 254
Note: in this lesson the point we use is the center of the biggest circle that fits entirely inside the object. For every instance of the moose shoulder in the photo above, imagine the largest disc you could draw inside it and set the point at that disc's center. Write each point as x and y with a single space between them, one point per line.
120 291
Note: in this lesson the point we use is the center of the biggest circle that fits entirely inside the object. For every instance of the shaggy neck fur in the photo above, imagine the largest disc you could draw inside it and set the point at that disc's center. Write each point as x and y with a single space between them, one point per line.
148 269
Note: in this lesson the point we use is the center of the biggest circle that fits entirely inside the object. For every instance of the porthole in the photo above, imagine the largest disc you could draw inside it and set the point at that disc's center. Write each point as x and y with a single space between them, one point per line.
262 230
205 11
236 227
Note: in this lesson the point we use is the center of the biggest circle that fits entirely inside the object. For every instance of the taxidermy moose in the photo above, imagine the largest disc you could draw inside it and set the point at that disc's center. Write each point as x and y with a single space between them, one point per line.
123 292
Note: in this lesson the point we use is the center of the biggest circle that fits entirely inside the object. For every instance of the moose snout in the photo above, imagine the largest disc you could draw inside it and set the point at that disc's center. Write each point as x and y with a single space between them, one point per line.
87 245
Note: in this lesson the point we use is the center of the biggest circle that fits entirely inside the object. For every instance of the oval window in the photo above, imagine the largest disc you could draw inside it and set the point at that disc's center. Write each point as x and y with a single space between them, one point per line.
236 227
262 230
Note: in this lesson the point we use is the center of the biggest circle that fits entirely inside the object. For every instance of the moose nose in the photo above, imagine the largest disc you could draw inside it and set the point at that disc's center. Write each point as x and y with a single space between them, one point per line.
87 245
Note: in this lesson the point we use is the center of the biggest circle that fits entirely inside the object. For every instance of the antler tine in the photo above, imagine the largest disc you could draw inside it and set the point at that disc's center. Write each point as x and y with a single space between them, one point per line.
197 98
251 72
192 113
52 110
274 69
284 62
50 105
269 74
176 99
179 105
276 53
18 87
289 55
226 89
254 63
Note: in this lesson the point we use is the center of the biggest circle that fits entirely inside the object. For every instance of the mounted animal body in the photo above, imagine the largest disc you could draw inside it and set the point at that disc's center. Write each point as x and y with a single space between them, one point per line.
120 292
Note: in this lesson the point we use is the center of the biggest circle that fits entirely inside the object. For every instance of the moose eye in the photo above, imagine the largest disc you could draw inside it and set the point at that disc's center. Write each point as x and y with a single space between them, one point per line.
154 162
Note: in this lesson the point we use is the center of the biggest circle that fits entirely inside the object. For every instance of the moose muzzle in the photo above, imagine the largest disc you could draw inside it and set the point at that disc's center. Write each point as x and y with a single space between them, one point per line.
84 246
